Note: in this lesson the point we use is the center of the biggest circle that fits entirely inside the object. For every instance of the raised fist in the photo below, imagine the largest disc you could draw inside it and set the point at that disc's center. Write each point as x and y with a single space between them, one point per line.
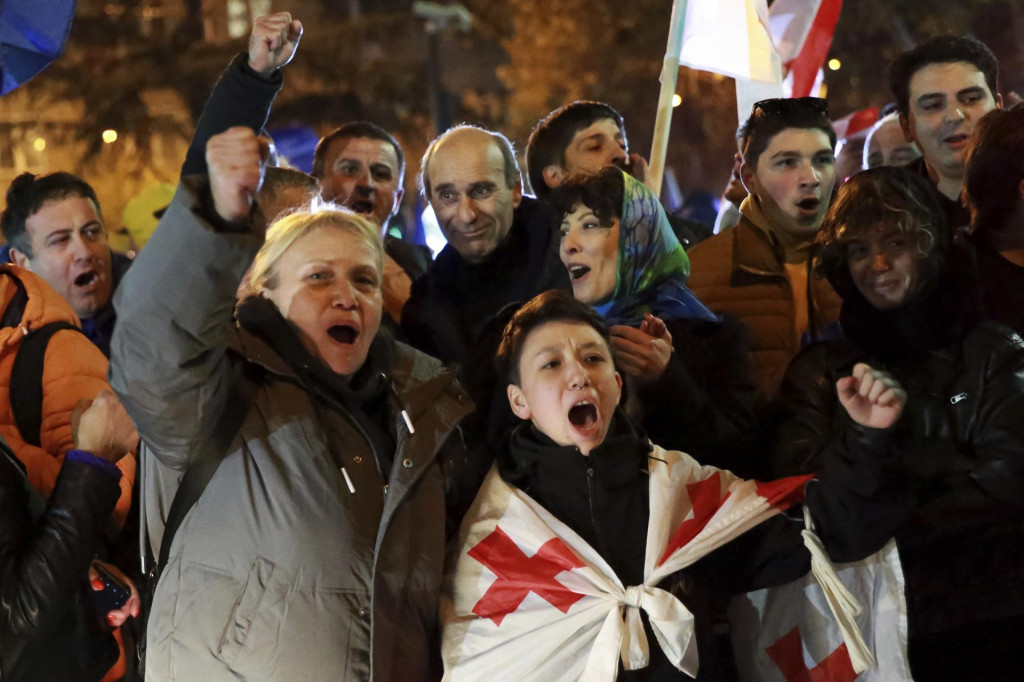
235 160
102 427
871 397
273 42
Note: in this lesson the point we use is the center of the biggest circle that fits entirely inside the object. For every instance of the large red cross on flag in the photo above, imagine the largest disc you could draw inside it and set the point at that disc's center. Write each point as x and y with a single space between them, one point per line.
512 548
518 575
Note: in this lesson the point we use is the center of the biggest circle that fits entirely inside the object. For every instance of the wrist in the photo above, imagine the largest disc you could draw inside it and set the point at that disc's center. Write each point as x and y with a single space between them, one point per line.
86 457
267 76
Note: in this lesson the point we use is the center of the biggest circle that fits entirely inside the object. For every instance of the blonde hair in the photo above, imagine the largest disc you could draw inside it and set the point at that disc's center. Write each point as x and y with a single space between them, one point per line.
283 234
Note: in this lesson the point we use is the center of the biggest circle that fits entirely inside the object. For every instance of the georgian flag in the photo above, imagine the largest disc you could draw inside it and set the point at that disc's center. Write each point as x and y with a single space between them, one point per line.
528 599
787 633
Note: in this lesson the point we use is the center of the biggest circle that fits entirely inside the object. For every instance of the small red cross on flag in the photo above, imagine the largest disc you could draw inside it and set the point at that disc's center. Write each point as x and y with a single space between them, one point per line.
518 575
788 654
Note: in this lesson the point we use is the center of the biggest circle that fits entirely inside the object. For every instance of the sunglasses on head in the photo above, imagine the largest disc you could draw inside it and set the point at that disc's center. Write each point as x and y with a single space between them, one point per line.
779 105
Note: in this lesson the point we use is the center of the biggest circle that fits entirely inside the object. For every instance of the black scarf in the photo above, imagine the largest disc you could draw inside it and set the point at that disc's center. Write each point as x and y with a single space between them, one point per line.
934 320
364 395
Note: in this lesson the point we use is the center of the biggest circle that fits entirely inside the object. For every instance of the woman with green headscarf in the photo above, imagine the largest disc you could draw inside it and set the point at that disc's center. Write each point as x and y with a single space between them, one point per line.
687 370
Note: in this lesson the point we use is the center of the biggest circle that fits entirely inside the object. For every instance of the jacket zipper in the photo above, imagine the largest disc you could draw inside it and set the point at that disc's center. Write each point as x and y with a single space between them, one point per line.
593 513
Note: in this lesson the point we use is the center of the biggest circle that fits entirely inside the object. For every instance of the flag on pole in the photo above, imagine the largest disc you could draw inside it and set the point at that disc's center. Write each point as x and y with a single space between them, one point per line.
787 632
529 599
730 37
802 31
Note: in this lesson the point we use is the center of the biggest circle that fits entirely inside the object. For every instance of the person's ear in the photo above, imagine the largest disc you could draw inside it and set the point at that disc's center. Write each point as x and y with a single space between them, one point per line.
554 176
908 132
517 400
618 383
747 175
517 194
20 259
399 195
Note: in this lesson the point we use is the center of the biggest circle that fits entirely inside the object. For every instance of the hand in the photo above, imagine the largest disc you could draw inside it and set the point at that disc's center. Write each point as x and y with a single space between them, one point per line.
273 42
131 608
235 160
102 427
643 353
871 397
639 169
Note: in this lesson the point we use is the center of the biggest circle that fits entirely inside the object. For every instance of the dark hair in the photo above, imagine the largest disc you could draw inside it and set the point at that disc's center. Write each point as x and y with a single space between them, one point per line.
350 131
551 306
994 168
601 192
940 50
770 117
26 196
554 133
508 156
278 179
886 195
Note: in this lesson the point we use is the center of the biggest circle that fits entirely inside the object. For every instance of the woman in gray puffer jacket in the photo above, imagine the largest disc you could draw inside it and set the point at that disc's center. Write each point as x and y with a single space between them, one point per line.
316 550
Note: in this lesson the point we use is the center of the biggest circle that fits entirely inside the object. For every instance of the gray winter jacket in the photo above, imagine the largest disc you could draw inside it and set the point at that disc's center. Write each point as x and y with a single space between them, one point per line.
279 572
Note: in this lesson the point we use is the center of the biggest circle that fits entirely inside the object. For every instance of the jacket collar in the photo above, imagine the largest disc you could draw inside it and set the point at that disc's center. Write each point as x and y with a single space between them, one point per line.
757 250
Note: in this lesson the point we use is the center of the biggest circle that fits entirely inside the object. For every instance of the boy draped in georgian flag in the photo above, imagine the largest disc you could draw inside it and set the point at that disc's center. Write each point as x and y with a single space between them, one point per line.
588 550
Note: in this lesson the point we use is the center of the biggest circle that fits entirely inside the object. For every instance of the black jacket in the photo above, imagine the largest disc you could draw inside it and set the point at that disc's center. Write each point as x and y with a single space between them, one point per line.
1002 285
451 305
241 97
962 439
458 310
958 218
703 404
48 629
604 498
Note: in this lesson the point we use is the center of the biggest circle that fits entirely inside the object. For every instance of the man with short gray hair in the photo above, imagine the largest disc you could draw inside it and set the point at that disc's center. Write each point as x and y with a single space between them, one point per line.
502 247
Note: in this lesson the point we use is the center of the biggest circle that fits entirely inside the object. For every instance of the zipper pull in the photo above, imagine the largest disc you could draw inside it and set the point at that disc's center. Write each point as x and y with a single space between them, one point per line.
386 489
394 393
348 481
960 397
408 422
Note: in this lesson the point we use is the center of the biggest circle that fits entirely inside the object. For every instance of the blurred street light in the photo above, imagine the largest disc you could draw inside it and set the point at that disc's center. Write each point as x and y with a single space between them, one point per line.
109 136
39 144
676 100
834 64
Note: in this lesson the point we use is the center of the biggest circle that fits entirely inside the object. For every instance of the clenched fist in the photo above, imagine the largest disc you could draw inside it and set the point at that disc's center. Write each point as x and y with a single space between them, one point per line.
235 160
871 397
273 42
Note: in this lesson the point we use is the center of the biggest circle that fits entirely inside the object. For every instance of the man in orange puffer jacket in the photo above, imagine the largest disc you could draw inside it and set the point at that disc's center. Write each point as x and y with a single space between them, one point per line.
73 369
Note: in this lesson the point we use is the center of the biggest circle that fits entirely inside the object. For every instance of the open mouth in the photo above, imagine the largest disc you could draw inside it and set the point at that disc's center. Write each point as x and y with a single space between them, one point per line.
956 140
578 271
85 279
361 206
343 333
809 205
583 414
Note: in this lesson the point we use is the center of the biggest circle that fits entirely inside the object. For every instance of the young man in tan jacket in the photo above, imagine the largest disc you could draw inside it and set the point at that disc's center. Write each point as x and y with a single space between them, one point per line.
761 270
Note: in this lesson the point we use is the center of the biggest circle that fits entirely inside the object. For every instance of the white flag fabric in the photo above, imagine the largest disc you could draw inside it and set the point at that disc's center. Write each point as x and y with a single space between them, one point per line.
789 22
528 599
788 632
730 37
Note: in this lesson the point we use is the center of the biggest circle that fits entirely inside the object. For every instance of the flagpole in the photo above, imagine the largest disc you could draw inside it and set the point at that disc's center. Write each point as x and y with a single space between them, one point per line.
669 75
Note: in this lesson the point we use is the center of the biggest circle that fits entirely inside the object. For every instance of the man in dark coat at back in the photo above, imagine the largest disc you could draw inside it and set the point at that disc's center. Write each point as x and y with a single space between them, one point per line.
502 247
502 251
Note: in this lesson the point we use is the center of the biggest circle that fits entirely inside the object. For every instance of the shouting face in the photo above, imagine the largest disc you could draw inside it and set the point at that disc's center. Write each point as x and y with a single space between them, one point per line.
568 387
328 287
